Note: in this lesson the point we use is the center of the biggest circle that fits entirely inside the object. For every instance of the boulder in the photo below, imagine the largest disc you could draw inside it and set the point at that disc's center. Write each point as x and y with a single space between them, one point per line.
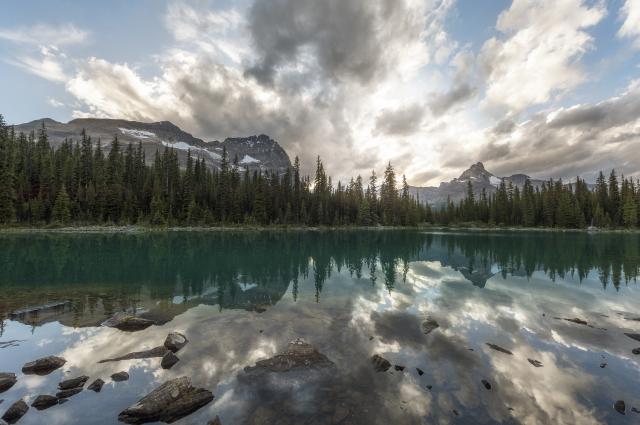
498 348
175 341
380 364
44 402
43 366
120 376
146 354
298 355
169 360
96 385
429 325
7 380
127 322
69 392
73 383
169 402
620 407
15 412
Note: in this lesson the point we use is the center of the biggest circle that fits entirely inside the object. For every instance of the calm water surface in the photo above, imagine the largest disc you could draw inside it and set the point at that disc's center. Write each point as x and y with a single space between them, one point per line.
242 296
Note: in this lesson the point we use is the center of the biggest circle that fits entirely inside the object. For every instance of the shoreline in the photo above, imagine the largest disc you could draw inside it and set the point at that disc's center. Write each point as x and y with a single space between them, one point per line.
139 229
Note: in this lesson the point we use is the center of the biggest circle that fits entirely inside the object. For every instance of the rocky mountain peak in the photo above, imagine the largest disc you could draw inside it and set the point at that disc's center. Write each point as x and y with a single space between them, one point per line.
475 172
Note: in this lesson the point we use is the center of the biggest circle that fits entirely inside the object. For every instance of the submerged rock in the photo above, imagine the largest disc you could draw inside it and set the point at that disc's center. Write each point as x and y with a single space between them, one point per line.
127 322
486 384
169 360
44 402
633 336
429 325
603 365
146 354
298 355
43 366
169 402
15 412
498 348
70 392
120 376
380 364
96 385
215 421
175 341
420 371
577 321
636 351
620 407
536 363
73 383
7 380
399 368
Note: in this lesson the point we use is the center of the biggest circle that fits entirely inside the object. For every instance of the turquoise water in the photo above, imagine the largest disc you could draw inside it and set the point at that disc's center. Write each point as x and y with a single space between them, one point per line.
242 296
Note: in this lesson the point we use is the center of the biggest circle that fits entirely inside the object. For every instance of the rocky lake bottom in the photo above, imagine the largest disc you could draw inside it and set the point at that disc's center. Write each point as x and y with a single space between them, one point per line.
320 327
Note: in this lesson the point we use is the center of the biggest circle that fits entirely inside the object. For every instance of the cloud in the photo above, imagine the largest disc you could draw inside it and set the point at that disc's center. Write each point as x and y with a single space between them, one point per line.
54 102
579 140
630 14
42 34
400 122
441 103
45 64
539 55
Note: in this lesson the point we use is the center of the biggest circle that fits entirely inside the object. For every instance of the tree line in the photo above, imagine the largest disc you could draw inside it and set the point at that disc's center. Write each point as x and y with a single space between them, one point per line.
82 182
612 203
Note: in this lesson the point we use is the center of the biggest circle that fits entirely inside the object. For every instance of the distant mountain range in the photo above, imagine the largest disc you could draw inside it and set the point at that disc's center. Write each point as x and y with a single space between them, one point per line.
480 179
253 153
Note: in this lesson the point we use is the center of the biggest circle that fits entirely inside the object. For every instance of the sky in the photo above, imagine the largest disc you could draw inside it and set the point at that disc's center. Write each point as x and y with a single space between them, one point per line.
550 88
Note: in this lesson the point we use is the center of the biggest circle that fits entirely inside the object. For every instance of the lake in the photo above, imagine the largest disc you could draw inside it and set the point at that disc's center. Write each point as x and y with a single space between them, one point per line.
473 325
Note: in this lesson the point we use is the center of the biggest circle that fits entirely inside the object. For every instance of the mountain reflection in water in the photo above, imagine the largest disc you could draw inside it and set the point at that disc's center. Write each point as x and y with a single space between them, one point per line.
242 296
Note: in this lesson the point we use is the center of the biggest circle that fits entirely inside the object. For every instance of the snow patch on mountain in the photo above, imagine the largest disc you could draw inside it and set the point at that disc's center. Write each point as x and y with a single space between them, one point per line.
495 181
185 147
140 134
248 159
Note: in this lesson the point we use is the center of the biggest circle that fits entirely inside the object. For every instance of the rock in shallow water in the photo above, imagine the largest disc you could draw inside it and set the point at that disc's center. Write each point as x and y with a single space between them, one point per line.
429 325
15 412
69 392
633 336
127 322
169 402
298 355
120 376
486 384
146 354
96 385
43 366
620 407
380 364
44 402
73 383
7 380
536 363
498 348
175 341
169 360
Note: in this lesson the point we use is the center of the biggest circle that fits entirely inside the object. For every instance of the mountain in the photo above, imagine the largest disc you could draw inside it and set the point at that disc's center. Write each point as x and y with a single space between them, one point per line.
456 189
253 153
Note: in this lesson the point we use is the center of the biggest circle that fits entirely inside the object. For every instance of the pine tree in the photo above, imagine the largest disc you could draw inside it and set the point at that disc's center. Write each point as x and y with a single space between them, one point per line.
61 213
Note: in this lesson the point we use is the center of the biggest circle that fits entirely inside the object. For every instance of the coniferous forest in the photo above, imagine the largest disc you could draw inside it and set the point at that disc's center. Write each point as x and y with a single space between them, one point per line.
82 183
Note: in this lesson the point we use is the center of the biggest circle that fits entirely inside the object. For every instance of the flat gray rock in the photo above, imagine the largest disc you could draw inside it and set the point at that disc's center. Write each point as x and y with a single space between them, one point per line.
169 402
429 325
146 354
73 383
43 366
169 360
298 355
15 412
380 364
120 376
127 322
96 385
44 402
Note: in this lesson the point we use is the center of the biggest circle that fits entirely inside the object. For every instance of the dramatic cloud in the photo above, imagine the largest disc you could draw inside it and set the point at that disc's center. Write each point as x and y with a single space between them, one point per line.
401 122
630 14
541 51
45 35
441 103
578 140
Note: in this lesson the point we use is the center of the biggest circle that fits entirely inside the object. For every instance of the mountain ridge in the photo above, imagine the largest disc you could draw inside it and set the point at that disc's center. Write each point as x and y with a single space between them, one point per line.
257 152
